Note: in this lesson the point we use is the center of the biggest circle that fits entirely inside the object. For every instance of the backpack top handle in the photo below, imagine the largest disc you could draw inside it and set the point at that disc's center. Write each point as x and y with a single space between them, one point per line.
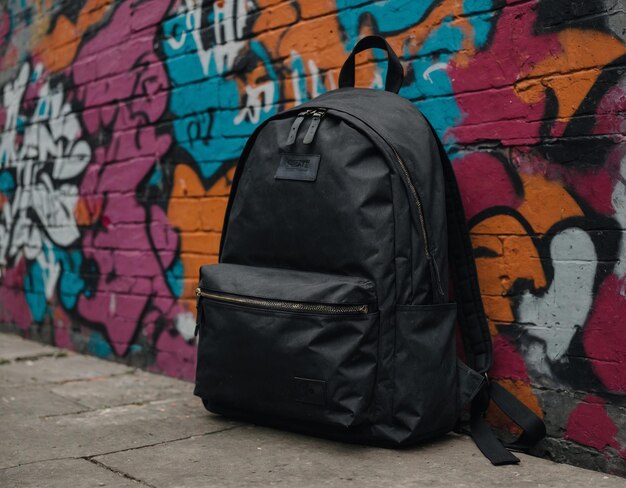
395 72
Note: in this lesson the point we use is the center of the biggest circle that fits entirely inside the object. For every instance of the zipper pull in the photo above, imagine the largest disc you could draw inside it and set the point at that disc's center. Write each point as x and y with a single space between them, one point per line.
293 133
317 117
198 313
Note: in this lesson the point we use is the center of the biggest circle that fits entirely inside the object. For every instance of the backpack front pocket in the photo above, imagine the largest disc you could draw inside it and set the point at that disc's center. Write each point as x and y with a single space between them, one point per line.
287 344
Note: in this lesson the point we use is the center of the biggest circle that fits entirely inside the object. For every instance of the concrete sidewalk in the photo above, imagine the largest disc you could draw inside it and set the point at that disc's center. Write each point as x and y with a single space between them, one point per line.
68 420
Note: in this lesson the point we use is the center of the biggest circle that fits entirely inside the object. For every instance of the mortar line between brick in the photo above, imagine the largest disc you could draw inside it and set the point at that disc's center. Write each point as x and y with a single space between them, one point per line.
118 472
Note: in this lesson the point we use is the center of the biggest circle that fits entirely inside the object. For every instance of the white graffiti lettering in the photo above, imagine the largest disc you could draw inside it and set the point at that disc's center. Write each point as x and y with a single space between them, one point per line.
40 154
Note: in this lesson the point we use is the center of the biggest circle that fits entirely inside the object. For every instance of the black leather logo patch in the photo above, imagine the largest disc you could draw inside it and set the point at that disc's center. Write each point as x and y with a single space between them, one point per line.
302 167
310 391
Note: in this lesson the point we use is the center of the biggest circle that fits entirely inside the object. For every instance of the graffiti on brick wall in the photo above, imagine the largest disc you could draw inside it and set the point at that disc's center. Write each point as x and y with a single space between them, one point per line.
81 249
546 208
121 123
42 156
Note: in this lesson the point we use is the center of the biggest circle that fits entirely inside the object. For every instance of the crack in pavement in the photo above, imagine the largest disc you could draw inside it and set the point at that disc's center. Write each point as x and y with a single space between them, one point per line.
193 436
35 357
118 472
90 457
88 409
28 463
71 380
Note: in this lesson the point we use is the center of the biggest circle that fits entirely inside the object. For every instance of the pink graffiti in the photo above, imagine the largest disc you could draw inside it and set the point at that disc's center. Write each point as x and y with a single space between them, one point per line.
124 93
484 183
605 335
507 361
5 31
590 425
15 309
500 114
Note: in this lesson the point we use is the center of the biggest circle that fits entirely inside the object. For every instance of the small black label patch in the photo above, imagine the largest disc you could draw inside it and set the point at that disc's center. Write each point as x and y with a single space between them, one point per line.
302 167
310 391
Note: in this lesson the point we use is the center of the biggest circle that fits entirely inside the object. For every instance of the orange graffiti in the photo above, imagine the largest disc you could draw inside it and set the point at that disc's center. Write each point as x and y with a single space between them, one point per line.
571 73
514 252
411 40
315 37
317 42
198 214
88 211
59 47
517 258
513 255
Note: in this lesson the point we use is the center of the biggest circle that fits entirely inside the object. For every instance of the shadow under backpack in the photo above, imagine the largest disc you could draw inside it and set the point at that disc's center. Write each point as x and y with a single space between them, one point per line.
328 312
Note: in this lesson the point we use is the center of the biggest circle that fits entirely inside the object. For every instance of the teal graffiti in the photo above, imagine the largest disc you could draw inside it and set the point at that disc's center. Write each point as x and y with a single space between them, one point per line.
211 122
427 83
174 276
7 184
34 291
98 345
69 285
391 16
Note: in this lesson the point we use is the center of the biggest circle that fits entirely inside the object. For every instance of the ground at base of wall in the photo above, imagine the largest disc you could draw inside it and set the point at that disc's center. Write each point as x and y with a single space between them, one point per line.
73 420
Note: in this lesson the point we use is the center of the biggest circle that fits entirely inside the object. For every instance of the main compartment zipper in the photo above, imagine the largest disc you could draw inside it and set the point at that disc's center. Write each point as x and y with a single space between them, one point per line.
321 111
420 213
283 305
432 262
416 198
317 114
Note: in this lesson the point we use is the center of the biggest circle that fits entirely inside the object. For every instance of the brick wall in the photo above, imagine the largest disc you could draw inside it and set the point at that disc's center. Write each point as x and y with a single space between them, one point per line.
121 122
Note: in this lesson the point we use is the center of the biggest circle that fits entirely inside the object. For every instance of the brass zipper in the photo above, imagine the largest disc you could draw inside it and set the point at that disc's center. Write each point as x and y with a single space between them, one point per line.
418 202
409 183
420 214
283 305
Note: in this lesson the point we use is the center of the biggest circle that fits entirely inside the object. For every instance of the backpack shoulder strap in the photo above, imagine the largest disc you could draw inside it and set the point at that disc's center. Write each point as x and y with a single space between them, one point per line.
471 313
477 338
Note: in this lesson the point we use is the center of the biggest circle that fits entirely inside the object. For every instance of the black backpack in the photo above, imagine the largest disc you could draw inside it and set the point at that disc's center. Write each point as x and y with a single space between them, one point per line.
328 312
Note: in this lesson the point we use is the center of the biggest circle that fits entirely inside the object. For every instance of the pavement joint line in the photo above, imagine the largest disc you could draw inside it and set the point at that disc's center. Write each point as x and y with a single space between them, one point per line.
111 407
95 378
90 457
117 471
193 436
88 409
77 380
35 357
28 463
73 400
78 412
